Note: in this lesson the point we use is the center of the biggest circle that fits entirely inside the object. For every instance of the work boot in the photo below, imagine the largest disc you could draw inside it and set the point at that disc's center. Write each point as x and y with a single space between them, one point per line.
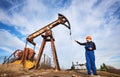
95 74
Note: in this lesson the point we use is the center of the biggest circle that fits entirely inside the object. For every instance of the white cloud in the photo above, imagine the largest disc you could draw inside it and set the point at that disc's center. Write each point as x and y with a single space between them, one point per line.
92 22
6 49
9 42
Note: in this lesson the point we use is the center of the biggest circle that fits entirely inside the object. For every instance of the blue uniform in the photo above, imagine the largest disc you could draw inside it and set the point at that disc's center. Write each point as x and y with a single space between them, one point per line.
90 57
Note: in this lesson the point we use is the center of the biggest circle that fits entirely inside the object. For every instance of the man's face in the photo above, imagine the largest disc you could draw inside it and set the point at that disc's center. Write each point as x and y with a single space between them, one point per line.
88 40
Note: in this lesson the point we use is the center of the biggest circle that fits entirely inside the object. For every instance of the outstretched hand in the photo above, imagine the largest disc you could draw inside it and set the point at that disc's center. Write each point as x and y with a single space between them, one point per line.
76 41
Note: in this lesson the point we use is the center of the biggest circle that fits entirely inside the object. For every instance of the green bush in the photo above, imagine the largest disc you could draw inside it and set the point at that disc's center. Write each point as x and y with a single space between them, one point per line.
103 67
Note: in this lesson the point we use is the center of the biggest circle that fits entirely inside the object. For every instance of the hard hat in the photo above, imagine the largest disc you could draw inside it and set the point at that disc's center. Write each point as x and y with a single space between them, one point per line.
89 37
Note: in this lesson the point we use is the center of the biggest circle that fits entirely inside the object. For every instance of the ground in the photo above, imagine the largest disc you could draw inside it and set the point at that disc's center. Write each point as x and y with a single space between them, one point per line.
11 70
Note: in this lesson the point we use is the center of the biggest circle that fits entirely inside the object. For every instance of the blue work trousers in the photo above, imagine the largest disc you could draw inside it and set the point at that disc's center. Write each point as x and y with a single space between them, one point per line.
90 62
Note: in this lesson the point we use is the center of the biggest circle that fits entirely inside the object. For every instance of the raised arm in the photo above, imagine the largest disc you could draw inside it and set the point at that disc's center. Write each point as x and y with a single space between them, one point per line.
80 43
94 46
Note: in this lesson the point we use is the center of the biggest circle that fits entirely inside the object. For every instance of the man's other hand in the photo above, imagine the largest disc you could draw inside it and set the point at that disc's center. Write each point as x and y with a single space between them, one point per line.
90 48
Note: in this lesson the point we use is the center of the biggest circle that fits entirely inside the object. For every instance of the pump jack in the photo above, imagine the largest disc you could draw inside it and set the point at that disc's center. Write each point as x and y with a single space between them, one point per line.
47 36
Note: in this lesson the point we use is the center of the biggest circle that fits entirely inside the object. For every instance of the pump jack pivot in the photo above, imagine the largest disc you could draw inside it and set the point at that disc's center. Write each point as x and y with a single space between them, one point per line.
47 37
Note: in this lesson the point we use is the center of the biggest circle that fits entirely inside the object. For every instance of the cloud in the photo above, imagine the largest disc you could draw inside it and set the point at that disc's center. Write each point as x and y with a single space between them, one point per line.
86 20
9 42
29 13
6 49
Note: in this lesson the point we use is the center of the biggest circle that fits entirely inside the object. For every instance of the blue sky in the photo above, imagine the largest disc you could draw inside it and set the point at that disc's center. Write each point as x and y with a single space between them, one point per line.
98 18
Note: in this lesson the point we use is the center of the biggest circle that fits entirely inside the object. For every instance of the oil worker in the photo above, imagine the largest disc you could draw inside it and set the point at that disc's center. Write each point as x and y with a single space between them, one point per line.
89 54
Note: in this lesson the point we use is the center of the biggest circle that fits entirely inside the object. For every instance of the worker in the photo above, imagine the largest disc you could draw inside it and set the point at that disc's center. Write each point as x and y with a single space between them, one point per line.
89 54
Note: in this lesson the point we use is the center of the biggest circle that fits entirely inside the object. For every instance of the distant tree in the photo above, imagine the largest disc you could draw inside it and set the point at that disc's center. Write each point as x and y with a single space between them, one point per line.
103 67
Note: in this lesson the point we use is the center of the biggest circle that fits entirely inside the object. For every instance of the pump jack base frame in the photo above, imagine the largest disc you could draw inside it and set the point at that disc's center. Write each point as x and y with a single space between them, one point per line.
47 37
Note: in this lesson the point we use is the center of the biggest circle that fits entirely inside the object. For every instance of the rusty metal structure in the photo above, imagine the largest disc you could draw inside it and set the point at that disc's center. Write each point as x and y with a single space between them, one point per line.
61 20
47 36
17 58
26 56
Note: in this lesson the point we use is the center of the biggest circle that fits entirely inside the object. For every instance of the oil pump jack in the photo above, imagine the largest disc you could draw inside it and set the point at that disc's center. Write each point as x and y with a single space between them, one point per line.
47 36
46 33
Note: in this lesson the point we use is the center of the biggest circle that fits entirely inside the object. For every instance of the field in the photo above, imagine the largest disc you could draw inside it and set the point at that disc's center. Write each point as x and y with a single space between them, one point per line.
11 70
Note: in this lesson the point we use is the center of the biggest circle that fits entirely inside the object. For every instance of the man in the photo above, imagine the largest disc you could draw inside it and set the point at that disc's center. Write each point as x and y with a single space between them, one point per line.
89 54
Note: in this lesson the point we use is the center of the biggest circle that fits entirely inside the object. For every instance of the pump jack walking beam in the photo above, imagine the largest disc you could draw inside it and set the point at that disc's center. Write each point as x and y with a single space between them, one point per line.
48 38
61 20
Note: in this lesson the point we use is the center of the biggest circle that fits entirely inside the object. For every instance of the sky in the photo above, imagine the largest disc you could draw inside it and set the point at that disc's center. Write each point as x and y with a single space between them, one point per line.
98 18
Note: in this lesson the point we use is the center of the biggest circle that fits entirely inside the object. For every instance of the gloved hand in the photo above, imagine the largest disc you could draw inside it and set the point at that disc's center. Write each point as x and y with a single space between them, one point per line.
90 48
76 41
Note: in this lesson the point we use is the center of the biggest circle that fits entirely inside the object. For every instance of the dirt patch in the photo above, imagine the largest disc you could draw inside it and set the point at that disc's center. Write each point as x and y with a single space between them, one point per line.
11 67
12 70
116 71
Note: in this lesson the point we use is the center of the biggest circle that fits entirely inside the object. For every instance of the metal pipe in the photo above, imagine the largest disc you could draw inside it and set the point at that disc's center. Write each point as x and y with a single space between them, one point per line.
57 67
40 53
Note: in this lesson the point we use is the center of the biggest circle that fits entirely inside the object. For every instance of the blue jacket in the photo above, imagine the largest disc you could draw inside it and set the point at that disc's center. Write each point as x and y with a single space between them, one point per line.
88 45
